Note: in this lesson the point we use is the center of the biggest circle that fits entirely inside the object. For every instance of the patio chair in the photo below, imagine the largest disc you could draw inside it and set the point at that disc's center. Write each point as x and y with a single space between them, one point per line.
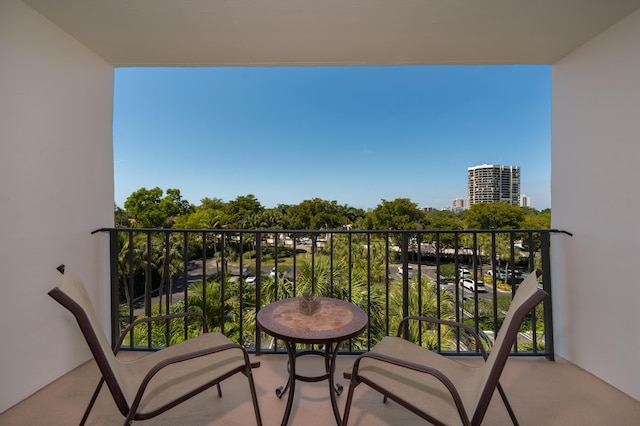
436 388
152 384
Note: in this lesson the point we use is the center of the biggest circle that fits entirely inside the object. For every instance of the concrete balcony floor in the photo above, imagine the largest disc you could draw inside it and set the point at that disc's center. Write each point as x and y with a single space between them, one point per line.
541 392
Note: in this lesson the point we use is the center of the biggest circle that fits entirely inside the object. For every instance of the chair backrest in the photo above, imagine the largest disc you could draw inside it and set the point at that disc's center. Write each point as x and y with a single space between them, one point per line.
527 296
72 294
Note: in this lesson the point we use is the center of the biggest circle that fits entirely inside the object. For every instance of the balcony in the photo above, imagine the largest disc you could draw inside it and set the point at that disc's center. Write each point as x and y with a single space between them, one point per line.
149 269
541 392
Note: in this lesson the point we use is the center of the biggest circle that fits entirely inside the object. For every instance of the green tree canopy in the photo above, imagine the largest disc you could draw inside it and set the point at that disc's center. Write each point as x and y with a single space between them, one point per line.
151 210
537 220
442 219
316 214
400 213
493 216
211 204
239 211
200 219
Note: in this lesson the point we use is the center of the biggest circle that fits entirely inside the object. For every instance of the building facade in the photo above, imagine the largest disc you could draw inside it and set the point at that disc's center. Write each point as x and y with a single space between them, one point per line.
525 201
492 183
459 203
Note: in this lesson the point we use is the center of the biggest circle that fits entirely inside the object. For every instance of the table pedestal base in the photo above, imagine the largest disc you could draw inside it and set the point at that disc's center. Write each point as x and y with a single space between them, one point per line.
330 368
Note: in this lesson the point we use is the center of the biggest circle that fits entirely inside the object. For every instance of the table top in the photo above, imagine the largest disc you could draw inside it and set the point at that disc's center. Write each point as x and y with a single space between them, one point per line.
336 320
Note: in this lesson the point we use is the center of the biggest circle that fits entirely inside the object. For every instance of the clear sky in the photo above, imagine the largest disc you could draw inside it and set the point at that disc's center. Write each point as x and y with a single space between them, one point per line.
356 135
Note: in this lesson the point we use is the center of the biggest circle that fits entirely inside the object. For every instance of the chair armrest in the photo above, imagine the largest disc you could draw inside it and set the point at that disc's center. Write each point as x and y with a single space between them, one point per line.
412 366
131 326
465 327
186 357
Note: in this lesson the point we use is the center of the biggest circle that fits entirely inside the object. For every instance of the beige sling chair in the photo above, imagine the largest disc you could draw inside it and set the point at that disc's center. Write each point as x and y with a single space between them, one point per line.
436 388
150 385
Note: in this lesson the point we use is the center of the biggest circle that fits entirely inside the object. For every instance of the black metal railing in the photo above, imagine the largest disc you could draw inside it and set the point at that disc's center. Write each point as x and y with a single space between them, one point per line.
228 275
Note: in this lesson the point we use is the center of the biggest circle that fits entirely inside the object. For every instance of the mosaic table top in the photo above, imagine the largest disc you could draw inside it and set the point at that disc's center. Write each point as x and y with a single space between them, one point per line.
336 320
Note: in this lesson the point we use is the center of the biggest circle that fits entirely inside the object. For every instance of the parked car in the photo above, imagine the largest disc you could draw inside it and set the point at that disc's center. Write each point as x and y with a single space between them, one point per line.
401 270
471 285
506 276
516 274
281 272
499 274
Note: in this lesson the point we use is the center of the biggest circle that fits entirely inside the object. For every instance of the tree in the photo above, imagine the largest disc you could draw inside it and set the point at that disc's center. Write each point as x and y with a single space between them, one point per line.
493 216
151 210
534 220
120 217
211 204
424 301
316 214
207 299
448 271
400 213
238 211
442 220
200 219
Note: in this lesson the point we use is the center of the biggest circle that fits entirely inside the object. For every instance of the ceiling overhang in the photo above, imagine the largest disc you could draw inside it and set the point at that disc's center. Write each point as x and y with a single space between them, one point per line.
332 32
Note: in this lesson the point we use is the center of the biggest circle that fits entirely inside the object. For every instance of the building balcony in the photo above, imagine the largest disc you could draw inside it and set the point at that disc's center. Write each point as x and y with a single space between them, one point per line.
149 269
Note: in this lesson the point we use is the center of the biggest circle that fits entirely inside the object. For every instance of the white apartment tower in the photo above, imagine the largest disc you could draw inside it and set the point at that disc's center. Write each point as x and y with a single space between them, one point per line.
491 183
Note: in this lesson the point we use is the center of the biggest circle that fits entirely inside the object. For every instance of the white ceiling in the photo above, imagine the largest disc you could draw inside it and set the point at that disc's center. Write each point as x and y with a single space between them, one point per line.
332 32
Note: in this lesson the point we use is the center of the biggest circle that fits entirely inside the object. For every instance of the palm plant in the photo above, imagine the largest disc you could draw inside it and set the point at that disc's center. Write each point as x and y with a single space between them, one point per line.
425 300
216 304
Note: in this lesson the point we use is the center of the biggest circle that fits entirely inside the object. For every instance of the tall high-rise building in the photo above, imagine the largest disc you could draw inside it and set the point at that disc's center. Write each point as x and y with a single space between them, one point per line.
491 183
525 201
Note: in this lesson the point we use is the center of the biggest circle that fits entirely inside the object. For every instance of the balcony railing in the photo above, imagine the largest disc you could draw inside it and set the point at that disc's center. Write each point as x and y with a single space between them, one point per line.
228 275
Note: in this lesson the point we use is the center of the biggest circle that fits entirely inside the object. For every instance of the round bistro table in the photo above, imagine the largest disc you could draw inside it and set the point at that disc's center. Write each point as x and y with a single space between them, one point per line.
335 322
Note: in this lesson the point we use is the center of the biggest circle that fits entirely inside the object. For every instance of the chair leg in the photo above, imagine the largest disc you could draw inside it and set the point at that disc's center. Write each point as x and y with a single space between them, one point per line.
254 398
93 401
347 406
507 405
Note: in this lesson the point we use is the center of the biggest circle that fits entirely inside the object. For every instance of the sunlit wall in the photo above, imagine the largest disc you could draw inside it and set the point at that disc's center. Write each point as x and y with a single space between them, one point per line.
595 195
56 186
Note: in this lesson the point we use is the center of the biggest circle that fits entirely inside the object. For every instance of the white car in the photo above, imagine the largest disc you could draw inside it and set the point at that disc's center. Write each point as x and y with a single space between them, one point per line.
409 268
471 285
272 274
501 275
464 273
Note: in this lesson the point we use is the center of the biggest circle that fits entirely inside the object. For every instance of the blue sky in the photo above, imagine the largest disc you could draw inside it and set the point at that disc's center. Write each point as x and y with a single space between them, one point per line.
355 135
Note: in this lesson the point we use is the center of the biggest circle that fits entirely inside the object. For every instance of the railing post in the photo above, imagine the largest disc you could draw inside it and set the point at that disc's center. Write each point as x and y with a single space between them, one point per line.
115 294
405 280
258 288
545 244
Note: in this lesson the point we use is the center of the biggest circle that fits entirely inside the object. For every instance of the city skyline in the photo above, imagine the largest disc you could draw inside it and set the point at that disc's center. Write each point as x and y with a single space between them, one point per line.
356 135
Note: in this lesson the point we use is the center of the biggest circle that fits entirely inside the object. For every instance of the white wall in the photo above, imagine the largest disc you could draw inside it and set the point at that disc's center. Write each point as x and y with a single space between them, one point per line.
56 186
596 195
